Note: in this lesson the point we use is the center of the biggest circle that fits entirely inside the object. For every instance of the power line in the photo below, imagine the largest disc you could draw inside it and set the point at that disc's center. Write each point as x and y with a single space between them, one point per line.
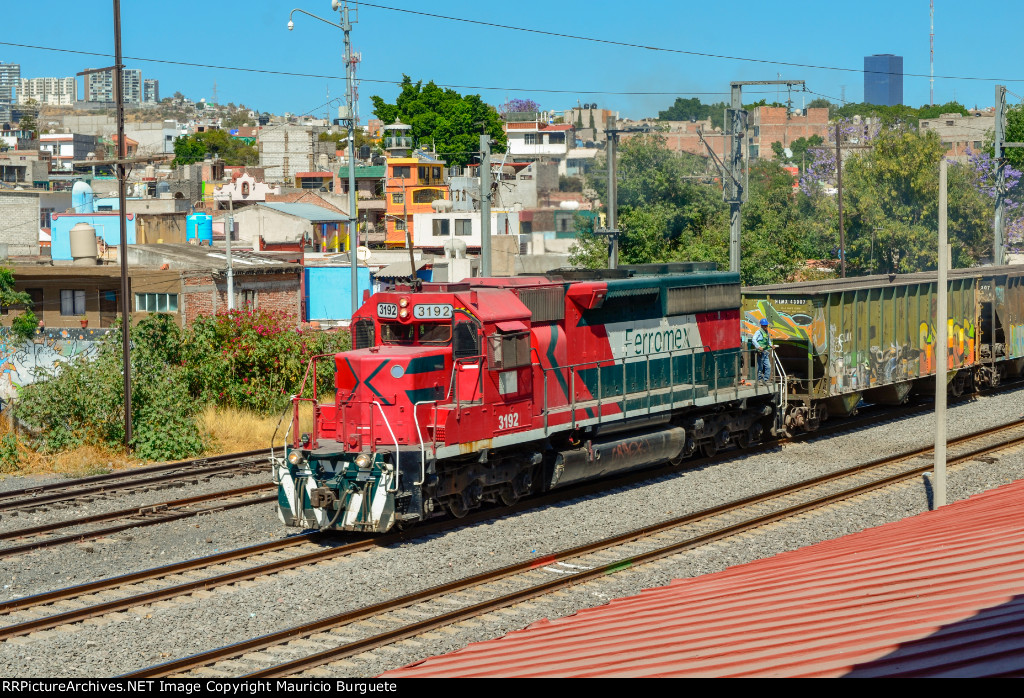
285 73
625 44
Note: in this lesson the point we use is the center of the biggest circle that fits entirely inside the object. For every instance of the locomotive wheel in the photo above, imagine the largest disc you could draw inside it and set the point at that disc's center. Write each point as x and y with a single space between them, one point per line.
457 507
708 449
743 440
508 495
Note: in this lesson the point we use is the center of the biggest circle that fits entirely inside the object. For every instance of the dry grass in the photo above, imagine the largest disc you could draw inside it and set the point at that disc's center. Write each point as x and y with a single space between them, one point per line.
229 430
85 460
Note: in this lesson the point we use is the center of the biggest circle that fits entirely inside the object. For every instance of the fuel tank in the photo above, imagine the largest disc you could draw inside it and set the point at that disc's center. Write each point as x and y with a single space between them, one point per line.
604 457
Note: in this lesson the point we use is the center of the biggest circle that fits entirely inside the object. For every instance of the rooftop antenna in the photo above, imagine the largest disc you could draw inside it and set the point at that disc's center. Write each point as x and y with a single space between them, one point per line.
931 53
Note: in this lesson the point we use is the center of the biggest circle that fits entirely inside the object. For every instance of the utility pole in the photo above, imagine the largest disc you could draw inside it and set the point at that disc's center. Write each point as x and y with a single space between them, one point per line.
485 205
941 349
839 200
350 77
122 197
227 243
734 189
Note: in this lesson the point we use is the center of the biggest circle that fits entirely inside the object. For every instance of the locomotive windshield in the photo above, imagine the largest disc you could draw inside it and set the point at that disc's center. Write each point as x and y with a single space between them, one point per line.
426 333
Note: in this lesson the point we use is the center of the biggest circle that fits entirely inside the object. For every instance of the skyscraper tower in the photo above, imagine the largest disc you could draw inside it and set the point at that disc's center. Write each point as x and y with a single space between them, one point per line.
883 79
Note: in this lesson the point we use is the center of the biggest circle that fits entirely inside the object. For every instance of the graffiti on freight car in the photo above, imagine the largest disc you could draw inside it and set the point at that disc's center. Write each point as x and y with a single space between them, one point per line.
1015 345
796 324
961 345
21 362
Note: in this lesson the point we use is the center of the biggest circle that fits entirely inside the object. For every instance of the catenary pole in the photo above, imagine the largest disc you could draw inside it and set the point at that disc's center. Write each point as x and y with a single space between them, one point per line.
839 200
613 196
122 205
997 143
485 205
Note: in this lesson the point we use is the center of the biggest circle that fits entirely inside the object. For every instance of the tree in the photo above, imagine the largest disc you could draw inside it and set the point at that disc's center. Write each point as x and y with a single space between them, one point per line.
891 193
28 119
517 106
194 148
23 325
693 109
340 138
452 122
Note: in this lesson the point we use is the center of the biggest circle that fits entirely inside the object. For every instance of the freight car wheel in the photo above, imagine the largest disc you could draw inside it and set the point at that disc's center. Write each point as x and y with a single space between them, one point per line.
457 507
708 449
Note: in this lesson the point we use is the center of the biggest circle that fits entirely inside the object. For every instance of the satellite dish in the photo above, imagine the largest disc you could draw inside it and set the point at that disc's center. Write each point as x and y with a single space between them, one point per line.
787 152
362 253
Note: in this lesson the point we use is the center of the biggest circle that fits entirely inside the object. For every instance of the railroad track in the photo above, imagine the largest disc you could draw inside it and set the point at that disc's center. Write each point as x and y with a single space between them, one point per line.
82 528
348 634
138 479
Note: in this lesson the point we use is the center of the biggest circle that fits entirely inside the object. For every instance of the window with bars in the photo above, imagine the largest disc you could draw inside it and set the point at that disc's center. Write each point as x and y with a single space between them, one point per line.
150 302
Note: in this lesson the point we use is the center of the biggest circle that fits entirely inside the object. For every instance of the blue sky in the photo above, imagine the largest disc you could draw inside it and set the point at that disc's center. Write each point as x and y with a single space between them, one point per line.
254 35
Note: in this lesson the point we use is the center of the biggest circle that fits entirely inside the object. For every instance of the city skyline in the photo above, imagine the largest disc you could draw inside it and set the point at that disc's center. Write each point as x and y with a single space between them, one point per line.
556 71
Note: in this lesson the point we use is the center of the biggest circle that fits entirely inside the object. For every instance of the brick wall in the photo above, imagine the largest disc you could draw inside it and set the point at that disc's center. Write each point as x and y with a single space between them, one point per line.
771 124
206 295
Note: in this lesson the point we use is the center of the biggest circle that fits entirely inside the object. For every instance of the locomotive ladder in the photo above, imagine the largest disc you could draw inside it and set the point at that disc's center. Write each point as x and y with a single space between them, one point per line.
781 380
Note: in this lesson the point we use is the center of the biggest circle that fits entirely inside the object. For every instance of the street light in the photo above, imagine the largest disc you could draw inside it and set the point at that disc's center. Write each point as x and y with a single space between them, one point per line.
353 235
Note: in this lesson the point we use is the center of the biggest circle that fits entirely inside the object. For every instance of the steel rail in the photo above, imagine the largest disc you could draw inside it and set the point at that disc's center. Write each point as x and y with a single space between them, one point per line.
262 642
29 497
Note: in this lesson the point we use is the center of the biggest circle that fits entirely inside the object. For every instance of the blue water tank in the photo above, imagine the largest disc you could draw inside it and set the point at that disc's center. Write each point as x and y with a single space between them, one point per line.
82 197
199 228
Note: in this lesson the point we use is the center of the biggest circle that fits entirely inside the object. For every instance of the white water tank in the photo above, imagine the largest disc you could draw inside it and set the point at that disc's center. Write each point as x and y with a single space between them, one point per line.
83 245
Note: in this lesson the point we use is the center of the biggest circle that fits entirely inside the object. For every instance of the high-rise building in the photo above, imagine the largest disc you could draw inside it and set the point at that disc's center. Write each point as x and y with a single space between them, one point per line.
150 91
10 75
883 79
99 86
52 91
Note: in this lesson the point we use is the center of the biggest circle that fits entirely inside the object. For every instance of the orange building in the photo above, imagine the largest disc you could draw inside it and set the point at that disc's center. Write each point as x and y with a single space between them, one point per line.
412 185
413 181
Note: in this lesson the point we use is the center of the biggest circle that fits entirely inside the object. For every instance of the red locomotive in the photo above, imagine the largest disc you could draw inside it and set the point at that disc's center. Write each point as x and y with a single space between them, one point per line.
487 390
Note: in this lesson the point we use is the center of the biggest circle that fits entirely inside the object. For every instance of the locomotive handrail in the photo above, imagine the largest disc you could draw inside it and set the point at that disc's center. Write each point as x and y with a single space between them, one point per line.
397 448
296 399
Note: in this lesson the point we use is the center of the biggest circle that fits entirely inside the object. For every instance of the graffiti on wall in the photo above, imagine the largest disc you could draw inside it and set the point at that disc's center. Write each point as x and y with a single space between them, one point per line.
22 361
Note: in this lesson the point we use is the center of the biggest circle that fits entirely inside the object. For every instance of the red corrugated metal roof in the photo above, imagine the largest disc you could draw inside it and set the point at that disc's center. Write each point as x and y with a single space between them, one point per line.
557 127
939 594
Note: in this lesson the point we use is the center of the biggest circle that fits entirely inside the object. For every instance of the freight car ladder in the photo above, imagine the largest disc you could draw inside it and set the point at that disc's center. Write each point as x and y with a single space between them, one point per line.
779 383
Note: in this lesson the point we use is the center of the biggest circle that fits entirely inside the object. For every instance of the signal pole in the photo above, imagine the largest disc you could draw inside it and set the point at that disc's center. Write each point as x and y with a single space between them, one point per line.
350 78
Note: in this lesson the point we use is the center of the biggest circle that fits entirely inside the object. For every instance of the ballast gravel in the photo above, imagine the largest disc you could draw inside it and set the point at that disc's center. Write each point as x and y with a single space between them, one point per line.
152 634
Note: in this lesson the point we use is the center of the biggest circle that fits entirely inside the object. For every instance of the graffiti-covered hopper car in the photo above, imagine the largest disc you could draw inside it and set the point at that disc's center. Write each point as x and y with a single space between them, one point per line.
873 338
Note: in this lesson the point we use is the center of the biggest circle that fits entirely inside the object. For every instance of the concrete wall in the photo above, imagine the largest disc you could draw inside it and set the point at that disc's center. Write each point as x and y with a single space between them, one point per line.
108 228
287 149
273 226
21 360
19 212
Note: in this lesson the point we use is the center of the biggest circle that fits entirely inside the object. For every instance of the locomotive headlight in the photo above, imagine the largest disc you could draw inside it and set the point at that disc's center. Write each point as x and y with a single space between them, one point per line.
295 457
363 461
403 313
403 303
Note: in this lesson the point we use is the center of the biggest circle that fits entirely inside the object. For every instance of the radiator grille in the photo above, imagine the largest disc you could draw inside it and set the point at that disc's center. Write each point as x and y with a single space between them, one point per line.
702 299
545 304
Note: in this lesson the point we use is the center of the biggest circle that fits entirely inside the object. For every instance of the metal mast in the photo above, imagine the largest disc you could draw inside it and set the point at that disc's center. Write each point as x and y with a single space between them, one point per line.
485 205
734 182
